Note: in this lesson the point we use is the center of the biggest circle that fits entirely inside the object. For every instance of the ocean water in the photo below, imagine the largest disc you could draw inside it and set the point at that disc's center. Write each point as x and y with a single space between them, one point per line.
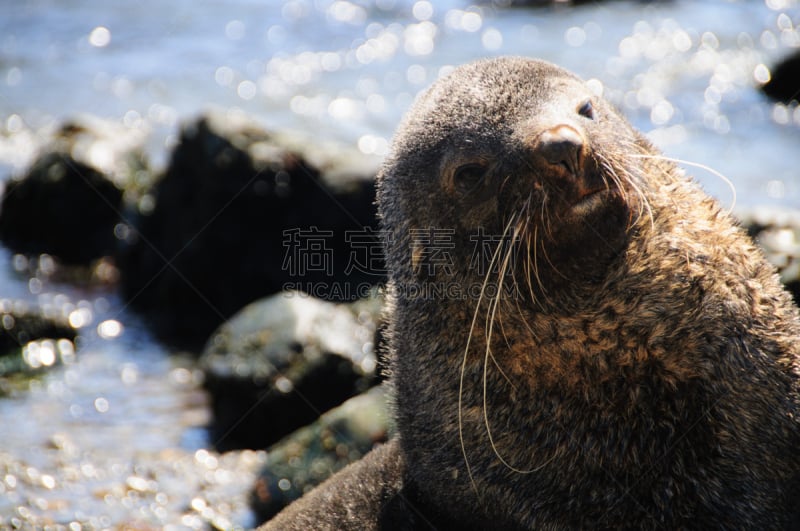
87 443
684 72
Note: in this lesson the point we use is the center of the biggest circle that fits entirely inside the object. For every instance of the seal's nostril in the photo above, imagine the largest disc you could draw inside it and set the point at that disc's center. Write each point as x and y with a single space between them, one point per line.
562 145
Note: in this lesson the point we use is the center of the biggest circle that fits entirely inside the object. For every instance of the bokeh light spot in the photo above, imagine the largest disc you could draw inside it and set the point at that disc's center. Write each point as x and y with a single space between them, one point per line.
100 37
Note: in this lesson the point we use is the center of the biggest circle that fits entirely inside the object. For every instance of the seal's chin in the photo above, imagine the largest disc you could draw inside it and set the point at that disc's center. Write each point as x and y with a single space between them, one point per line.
593 228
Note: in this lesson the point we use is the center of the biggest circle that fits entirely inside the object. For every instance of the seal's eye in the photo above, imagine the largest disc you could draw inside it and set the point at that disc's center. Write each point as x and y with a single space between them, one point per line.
469 176
586 110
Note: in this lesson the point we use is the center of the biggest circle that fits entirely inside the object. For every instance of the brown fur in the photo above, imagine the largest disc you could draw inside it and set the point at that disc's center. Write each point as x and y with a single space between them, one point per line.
370 487
641 367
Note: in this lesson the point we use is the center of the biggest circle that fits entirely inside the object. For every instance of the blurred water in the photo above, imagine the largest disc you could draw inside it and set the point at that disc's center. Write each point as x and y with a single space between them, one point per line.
116 436
684 72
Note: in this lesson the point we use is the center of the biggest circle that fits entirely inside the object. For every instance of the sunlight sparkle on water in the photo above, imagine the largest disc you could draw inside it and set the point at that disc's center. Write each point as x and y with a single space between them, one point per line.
469 21
575 36
345 108
247 90
419 38
347 12
492 39
235 30
761 73
80 317
422 10
39 354
14 76
129 374
224 76
14 123
101 404
109 329
100 37
381 47
373 145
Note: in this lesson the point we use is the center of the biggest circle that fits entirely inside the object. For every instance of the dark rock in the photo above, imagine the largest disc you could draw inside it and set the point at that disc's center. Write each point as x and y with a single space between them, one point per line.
62 207
310 455
31 341
777 232
68 204
784 83
282 361
238 216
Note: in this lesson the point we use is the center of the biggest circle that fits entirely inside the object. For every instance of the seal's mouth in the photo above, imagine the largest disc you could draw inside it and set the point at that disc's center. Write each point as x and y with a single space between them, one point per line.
591 199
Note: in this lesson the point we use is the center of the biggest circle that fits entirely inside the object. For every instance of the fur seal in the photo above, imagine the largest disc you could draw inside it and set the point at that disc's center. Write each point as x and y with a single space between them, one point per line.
622 357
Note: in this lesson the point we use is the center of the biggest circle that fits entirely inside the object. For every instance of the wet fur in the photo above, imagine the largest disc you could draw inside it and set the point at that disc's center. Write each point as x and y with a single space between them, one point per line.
642 368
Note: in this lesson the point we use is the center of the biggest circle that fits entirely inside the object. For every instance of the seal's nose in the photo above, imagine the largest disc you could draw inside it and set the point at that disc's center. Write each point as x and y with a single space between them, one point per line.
562 145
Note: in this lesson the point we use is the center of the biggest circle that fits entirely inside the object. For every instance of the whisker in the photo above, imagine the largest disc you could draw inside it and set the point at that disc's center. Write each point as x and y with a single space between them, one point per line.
631 181
501 276
536 267
547 220
486 405
698 165
492 263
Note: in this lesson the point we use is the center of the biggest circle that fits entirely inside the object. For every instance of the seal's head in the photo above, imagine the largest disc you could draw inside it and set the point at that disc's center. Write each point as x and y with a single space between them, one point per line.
518 149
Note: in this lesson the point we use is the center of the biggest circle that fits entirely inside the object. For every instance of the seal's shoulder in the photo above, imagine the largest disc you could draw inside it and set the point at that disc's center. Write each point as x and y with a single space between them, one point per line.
361 496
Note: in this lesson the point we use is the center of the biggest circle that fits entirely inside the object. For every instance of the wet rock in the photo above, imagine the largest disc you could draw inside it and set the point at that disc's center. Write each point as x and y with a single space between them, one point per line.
784 83
67 203
62 207
777 231
241 214
310 455
43 268
31 341
111 147
282 361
